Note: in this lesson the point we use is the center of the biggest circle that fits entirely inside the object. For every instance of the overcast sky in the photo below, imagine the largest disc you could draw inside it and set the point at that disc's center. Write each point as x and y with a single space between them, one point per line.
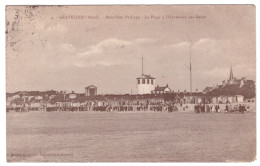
44 51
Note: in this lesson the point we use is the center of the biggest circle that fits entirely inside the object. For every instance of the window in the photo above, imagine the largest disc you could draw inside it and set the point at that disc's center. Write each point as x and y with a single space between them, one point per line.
138 81
143 81
148 81
152 81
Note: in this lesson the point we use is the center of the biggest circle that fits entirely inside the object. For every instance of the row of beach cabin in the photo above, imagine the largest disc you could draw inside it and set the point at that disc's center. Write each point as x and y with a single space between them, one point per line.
151 101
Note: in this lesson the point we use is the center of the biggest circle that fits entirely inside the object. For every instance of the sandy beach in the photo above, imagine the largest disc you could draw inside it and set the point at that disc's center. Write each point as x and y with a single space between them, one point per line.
130 136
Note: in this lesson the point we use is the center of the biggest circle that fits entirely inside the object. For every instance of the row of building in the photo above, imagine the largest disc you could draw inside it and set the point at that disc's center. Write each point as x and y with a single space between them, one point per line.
76 100
212 99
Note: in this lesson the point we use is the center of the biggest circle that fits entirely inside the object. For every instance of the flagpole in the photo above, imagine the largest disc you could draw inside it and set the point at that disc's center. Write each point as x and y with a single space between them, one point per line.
190 64
190 73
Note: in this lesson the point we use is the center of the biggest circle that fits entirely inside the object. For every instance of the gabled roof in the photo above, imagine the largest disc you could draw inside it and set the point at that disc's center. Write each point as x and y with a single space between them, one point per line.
145 77
91 86
159 88
162 88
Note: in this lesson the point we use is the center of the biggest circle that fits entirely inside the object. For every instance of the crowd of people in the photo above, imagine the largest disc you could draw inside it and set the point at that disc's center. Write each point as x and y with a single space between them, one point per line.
119 108
206 108
142 105
107 107
241 108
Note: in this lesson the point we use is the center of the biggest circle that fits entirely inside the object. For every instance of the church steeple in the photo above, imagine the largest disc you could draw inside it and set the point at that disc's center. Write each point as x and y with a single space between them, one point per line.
231 74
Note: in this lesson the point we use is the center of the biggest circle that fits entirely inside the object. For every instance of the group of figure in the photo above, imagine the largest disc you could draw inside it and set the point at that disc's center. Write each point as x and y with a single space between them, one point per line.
119 108
237 108
158 107
21 109
199 108
206 108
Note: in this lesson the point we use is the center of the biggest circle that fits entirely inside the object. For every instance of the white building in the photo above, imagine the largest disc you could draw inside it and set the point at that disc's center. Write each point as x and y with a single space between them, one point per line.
219 99
30 97
72 95
16 97
75 104
52 96
228 99
35 105
25 98
145 84
38 97
91 90
239 98
162 89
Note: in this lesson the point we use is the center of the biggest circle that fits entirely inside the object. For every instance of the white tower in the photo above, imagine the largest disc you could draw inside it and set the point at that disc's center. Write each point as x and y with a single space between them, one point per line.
145 83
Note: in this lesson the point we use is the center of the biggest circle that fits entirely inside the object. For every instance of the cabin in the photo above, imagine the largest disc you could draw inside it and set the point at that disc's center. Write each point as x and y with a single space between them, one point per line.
91 90
239 98
52 97
72 95
161 90
38 97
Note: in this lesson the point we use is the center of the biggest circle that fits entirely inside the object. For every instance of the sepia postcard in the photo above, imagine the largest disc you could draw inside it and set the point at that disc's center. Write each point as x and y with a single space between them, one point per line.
131 83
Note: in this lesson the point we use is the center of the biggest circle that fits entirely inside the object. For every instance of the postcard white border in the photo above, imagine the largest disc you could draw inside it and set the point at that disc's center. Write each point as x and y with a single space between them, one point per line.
106 2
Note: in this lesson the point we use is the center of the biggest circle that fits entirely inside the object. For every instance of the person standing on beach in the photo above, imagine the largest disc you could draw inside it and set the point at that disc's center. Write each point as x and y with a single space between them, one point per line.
207 108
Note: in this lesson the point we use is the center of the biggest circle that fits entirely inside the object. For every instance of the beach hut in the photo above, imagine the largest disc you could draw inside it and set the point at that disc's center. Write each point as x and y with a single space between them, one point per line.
239 98
214 100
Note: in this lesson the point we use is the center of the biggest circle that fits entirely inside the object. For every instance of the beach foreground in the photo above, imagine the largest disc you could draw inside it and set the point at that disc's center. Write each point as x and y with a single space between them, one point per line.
130 136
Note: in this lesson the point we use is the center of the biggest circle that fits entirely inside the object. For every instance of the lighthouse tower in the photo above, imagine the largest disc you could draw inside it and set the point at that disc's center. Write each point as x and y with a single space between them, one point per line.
145 83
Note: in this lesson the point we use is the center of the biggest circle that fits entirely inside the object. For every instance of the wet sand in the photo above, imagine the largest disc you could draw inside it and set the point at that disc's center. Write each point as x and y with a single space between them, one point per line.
130 136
